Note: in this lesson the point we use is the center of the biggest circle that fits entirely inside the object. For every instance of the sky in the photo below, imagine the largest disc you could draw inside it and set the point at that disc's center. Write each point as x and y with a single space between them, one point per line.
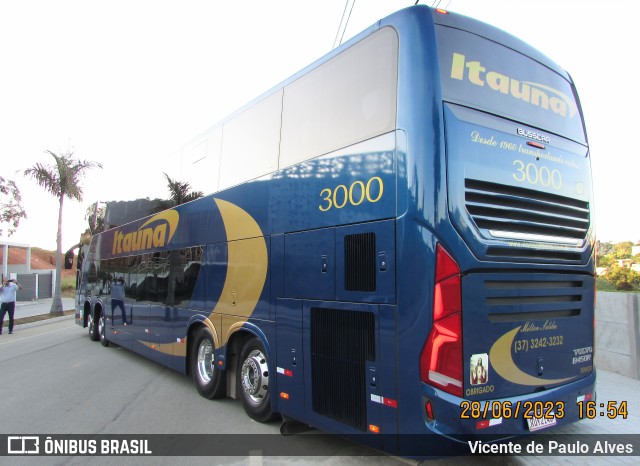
126 82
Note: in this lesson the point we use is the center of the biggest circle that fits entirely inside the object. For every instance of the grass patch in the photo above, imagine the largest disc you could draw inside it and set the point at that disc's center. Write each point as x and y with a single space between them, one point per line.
28 320
604 285
68 286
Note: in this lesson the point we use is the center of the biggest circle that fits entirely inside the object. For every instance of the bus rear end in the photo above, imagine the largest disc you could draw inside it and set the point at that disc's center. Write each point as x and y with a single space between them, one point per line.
510 350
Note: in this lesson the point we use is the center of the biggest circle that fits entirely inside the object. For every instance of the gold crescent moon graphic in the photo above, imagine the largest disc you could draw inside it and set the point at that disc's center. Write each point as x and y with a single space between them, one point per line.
179 348
247 263
502 362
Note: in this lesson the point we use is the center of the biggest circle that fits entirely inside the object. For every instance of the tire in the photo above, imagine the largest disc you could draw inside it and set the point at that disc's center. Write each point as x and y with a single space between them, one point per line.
253 381
102 331
93 326
209 379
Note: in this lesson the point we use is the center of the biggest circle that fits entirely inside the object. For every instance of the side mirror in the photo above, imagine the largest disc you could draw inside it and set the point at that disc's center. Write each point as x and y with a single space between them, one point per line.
68 260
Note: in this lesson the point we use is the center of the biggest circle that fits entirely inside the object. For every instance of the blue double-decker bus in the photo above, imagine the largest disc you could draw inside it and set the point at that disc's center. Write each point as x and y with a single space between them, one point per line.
399 243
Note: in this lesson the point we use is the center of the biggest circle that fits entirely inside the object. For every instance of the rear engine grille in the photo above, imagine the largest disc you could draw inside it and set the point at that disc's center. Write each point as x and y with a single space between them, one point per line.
513 299
514 212
341 343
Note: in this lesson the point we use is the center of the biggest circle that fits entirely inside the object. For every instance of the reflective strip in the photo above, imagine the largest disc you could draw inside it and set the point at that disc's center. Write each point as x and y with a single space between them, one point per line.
488 423
283 371
586 397
384 401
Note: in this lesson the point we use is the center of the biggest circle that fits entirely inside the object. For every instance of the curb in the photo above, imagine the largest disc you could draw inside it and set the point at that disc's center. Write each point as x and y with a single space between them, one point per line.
43 322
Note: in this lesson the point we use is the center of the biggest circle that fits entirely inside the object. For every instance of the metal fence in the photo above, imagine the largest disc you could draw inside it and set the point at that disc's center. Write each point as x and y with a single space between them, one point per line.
35 285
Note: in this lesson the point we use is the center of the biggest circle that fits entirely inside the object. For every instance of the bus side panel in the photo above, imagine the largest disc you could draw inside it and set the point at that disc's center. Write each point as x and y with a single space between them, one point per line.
352 185
387 376
309 264
120 337
289 361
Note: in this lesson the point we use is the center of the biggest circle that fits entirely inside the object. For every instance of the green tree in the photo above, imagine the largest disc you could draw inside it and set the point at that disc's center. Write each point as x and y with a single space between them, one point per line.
622 250
61 179
623 278
605 261
10 203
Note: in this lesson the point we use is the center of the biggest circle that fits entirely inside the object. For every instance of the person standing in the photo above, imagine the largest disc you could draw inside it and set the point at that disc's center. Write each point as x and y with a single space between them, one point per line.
8 295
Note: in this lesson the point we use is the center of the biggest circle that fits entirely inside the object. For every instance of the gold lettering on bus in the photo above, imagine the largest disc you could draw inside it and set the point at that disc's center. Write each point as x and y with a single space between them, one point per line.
540 95
154 233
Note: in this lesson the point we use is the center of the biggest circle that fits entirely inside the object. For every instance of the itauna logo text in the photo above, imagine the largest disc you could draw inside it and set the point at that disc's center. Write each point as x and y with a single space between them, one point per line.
154 233
540 95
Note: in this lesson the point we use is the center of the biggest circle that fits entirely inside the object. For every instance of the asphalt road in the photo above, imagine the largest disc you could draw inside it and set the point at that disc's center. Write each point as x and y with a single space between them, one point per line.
54 380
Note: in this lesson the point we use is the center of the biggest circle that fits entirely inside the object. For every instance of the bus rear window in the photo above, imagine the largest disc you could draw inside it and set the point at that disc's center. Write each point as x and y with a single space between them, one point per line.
479 73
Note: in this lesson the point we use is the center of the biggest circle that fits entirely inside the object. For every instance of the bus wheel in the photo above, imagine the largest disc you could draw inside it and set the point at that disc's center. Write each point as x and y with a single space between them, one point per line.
253 380
209 380
93 328
102 331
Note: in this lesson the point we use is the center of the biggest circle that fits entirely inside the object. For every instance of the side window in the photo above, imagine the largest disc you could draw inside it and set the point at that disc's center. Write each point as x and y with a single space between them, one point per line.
92 277
94 280
201 162
167 277
135 280
184 269
161 275
250 142
156 278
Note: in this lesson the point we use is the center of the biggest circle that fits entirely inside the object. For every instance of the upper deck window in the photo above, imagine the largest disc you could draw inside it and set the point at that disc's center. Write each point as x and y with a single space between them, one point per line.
348 99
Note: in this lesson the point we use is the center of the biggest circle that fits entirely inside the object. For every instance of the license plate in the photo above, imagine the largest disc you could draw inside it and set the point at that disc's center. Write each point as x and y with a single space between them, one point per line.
541 423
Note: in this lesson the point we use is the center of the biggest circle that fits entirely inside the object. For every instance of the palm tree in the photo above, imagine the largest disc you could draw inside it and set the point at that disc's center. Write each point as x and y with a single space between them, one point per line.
61 180
179 194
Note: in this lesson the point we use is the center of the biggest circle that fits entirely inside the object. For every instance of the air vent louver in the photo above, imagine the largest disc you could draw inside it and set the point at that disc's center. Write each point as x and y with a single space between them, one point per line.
341 343
525 213
360 262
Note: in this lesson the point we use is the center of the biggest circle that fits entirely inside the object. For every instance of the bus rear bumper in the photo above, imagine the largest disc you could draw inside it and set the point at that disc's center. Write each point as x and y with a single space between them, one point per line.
503 418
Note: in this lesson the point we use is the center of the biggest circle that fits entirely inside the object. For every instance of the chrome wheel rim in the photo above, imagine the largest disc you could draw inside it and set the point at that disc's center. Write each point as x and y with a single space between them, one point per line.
205 361
255 376
101 329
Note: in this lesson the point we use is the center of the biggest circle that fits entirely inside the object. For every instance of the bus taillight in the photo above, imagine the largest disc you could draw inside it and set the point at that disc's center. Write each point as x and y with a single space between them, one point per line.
441 357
